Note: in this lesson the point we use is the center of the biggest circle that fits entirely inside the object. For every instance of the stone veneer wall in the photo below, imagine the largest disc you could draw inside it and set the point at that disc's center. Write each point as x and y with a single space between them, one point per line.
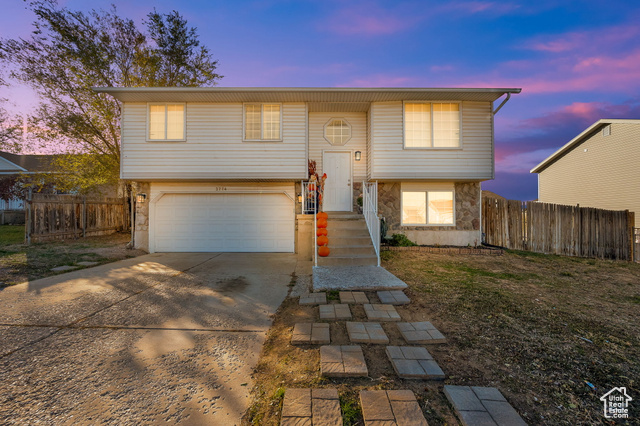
467 210
141 232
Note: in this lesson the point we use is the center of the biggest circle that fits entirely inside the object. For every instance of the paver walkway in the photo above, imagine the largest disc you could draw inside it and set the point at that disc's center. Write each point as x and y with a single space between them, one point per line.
381 313
311 333
342 361
412 362
420 333
335 312
393 297
311 407
366 332
353 297
482 406
391 408
314 299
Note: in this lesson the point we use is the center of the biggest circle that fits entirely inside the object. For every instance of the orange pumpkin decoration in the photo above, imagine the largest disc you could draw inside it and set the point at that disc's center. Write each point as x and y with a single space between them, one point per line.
312 187
323 251
322 231
322 223
323 241
323 215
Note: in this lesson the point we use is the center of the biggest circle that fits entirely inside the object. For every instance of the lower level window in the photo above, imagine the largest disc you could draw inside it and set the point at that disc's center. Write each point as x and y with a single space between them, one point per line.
427 208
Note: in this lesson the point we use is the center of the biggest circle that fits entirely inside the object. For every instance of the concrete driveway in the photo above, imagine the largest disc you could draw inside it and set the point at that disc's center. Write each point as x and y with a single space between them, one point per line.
159 338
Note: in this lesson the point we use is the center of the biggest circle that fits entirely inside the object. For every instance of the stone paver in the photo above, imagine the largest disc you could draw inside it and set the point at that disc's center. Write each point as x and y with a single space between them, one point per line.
391 408
476 405
353 297
335 312
381 312
366 332
393 297
311 333
342 361
313 299
311 407
412 362
420 333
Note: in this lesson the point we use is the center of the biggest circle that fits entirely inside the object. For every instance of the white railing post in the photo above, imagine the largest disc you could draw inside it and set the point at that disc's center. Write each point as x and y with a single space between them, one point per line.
309 205
370 211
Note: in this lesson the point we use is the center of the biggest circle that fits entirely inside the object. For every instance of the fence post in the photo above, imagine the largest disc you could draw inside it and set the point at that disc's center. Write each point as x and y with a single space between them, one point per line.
84 217
29 221
631 221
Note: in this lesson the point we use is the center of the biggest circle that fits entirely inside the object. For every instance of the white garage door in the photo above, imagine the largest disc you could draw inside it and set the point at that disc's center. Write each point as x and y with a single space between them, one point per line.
224 223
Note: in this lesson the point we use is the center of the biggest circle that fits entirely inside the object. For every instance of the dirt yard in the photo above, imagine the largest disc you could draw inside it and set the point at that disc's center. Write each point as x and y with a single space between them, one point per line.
20 262
540 328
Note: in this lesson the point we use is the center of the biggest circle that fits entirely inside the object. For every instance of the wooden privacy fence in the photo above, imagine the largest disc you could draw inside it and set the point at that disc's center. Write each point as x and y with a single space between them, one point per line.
558 229
59 217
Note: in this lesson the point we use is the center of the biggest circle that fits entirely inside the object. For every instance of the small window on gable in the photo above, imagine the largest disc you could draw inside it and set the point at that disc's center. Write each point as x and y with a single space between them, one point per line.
337 131
607 130
166 122
262 122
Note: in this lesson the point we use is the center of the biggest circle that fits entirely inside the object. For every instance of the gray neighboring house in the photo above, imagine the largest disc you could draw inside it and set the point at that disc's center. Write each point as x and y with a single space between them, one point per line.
15 164
598 168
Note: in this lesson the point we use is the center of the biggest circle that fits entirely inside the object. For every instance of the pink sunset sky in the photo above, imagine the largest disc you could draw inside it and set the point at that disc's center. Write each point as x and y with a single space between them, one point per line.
576 61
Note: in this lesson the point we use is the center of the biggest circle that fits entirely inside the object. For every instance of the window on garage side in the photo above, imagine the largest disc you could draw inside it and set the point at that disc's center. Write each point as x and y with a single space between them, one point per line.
262 122
166 122
427 208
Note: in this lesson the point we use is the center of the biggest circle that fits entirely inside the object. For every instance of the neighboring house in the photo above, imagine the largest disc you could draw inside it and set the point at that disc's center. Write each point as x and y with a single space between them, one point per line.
222 168
15 164
598 168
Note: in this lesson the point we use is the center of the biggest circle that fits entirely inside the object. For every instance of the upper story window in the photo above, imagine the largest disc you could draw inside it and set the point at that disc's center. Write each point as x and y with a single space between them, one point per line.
431 125
337 131
262 122
166 122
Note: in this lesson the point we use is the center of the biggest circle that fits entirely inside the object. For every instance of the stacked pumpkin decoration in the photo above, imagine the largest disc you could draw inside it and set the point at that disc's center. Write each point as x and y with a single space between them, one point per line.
321 233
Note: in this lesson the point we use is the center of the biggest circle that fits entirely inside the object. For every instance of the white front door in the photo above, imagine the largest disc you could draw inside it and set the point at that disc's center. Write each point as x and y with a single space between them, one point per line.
337 187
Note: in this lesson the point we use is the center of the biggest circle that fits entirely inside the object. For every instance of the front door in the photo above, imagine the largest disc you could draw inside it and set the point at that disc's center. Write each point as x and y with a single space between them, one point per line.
337 187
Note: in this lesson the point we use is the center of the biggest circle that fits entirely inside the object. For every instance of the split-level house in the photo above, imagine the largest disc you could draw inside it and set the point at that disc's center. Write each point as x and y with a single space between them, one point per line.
223 169
598 168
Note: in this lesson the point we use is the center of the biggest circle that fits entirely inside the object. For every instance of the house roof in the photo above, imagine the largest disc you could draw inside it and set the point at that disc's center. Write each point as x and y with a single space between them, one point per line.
332 95
15 163
590 131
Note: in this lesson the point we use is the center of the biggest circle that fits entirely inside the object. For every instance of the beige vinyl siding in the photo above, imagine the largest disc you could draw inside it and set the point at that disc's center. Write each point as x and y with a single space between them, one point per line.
358 141
605 176
390 160
214 148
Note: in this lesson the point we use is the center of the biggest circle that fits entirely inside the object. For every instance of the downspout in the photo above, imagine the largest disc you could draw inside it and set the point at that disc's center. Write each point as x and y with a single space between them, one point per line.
502 104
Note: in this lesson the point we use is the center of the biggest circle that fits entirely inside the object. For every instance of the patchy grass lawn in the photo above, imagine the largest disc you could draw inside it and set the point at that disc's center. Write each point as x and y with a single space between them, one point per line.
11 234
537 327
20 262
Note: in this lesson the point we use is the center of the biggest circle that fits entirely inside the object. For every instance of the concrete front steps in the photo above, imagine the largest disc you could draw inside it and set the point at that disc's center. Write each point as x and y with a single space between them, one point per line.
349 241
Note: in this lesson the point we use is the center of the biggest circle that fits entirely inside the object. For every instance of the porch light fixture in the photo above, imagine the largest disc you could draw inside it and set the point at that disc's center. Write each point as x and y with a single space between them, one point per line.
358 155
299 198
141 198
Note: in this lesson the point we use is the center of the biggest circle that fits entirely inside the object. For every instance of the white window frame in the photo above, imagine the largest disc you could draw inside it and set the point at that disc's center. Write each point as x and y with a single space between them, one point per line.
184 110
404 145
331 120
244 121
426 188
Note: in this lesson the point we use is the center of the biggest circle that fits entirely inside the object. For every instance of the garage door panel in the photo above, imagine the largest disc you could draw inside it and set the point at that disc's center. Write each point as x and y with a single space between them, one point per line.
224 222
